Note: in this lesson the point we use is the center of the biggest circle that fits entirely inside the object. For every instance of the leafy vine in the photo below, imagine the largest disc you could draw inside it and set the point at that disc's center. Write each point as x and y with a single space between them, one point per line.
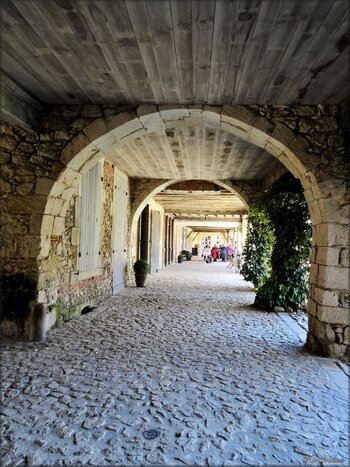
278 246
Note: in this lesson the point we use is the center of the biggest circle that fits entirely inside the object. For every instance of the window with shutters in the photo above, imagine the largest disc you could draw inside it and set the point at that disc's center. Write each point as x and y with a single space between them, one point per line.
90 220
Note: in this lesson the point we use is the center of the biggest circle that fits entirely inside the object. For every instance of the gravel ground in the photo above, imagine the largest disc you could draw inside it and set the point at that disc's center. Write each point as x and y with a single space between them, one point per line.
181 372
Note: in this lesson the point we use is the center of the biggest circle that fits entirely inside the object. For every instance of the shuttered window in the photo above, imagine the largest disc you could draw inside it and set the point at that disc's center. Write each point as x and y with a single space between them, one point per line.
90 223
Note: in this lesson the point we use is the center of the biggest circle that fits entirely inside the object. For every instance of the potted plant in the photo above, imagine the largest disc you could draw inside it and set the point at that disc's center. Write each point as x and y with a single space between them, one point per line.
141 269
187 254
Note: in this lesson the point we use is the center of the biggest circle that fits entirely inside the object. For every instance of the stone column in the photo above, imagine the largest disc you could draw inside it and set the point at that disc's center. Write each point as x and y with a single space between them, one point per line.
328 304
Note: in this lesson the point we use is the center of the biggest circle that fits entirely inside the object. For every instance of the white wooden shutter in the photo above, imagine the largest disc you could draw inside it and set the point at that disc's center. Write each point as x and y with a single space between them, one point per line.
119 231
91 198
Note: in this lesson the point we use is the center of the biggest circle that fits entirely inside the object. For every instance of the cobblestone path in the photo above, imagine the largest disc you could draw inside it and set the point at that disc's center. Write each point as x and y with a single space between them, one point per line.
184 361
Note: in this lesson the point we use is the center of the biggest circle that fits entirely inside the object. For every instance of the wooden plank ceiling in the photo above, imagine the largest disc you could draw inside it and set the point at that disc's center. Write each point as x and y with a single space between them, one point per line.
201 200
193 153
200 203
178 51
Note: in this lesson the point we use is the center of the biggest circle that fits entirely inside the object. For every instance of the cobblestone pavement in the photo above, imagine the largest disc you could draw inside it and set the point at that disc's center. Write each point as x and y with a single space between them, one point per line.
185 361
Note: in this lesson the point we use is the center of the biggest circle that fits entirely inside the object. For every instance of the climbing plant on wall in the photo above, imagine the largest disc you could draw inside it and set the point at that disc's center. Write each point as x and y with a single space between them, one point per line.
258 247
286 283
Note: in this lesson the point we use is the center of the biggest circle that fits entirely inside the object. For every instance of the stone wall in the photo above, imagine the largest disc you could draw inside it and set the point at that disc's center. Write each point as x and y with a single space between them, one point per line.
59 284
19 237
29 167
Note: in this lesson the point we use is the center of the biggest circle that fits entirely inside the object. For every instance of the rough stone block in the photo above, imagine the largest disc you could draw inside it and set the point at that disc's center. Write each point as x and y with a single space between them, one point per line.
115 121
288 163
127 128
240 114
173 112
312 307
235 128
309 196
57 206
283 134
169 124
195 110
317 328
264 125
337 350
16 225
334 315
328 255
326 124
332 235
28 246
45 247
48 279
315 212
146 110
211 118
326 297
47 225
26 188
26 204
132 136
96 129
344 257
56 191
72 149
314 254
273 147
43 186
330 333
51 295
66 196
332 212
70 177
58 226
314 273
6 187
308 180
92 110
333 277
75 236
258 138
152 122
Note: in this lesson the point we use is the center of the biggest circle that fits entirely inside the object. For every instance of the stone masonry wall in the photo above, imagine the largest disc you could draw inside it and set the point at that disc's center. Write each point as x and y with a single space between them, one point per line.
26 160
63 292
19 238
31 163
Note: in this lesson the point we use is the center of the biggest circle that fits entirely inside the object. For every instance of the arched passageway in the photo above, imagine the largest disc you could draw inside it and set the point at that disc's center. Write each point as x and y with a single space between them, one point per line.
103 139
102 136
186 360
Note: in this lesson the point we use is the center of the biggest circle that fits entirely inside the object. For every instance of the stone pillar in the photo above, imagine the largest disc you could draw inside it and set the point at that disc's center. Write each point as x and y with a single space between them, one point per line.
244 228
328 304
166 231
172 240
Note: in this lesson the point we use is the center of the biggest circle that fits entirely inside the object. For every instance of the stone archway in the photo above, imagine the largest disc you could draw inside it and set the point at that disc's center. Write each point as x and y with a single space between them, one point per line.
144 190
324 190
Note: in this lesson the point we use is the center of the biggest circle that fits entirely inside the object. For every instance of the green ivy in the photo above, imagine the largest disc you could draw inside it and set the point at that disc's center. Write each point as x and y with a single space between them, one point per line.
258 247
283 280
